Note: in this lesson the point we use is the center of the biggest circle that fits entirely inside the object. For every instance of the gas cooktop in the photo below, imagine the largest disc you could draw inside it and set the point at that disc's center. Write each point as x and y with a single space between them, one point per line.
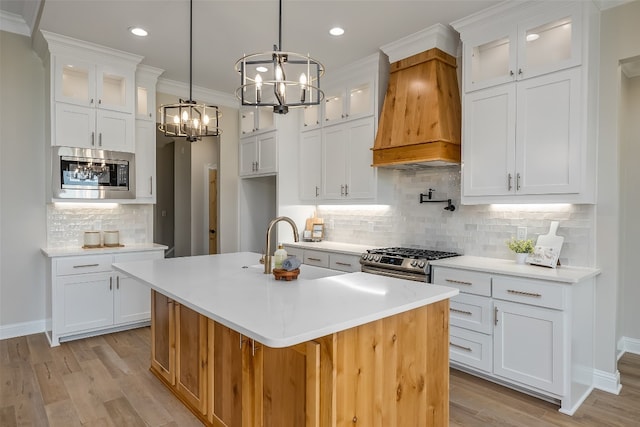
406 263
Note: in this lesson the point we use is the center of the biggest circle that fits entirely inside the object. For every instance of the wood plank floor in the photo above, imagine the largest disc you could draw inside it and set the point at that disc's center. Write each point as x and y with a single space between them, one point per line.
105 381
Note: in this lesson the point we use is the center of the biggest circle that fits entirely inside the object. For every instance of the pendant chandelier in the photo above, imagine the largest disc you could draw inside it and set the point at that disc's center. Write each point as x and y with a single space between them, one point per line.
264 82
188 118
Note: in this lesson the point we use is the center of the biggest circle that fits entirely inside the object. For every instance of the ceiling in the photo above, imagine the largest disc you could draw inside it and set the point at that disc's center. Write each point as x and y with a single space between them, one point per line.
224 30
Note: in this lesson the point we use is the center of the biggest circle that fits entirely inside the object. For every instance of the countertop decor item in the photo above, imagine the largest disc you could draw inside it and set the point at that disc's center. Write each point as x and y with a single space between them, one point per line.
111 238
522 249
282 274
547 249
92 239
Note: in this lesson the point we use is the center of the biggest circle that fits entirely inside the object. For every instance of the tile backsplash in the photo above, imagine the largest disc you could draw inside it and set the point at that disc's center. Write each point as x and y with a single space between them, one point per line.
66 223
480 230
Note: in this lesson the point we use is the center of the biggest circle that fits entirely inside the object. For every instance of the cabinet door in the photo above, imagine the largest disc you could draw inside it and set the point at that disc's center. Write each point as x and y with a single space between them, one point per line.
146 101
334 105
74 81
132 300
75 126
191 357
267 153
311 117
490 59
247 120
290 394
360 99
548 136
115 131
528 344
115 88
86 301
225 373
360 179
334 161
310 165
163 337
248 156
489 141
145 161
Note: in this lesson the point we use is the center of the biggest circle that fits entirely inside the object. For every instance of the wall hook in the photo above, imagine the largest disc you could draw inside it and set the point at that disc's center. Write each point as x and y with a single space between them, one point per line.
427 198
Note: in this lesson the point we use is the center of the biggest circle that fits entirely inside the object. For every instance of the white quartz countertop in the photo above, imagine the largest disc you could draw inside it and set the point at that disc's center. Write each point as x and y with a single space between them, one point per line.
233 290
563 274
60 252
337 247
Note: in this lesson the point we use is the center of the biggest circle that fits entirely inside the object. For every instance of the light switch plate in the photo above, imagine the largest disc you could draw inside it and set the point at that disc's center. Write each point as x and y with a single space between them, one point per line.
522 233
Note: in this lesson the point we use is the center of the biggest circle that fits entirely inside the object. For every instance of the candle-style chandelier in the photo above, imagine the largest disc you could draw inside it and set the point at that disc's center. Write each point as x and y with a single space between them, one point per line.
188 118
264 82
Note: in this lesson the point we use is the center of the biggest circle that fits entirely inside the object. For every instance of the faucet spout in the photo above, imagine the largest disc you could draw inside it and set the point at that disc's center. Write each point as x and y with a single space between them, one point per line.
296 238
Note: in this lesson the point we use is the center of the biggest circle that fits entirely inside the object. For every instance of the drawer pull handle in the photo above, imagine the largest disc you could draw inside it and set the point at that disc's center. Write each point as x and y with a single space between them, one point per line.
461 347
526 294
85 265
343 263
459 282
495 316
314 259
455 310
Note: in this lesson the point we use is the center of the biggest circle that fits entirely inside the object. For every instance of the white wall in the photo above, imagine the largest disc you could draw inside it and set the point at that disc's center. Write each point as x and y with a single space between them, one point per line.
620 34
228 182
628 314
22 185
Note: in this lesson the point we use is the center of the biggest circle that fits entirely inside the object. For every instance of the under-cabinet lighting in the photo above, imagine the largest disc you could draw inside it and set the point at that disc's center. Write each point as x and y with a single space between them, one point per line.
84 205
355 207
532 37
532 207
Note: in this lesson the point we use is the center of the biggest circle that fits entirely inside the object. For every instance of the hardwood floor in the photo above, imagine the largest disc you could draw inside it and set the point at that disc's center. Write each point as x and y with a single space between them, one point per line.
105 381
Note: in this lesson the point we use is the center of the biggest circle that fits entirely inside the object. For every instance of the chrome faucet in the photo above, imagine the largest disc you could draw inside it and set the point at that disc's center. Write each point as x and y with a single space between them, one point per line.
268 256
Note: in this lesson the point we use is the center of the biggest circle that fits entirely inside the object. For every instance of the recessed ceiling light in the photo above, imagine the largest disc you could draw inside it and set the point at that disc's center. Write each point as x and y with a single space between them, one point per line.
336 31
138 31
261 69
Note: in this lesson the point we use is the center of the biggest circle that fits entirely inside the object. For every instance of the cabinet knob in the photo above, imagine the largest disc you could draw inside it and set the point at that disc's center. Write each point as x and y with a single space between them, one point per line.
519 71
91 102
99 101
511 73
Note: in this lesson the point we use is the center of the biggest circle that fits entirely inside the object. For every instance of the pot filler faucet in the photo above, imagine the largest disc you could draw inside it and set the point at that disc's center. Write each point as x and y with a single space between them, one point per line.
268 256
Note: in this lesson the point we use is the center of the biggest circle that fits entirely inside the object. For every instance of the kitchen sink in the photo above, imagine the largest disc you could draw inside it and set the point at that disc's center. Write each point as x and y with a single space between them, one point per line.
307 272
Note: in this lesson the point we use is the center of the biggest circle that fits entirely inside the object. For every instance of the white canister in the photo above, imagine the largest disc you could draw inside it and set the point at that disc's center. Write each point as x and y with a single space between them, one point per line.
111 238
91 239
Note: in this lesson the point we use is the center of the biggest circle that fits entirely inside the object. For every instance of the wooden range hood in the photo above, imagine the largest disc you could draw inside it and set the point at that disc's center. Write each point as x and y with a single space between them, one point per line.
421 116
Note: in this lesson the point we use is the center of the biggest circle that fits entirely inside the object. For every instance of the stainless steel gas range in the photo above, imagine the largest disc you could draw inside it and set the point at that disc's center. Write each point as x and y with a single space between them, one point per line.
403 263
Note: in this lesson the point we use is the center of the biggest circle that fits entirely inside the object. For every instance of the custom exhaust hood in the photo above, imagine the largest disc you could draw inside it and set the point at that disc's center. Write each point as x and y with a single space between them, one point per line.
421 117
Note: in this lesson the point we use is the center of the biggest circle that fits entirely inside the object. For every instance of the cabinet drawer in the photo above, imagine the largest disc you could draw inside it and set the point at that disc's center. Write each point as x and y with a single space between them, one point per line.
299 253
526 291
471 312
471 348
138 256
348 263
83 264
470 282
317 258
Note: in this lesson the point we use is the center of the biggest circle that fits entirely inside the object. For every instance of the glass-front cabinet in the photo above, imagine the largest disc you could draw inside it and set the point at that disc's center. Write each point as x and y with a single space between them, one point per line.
350 101
253 119
541 45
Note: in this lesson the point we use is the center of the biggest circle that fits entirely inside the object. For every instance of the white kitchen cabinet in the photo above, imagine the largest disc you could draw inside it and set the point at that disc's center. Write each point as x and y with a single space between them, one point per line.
259 154
524 43
92 94
529 98
352 99
87 297
311 117
346 160
254 119
524 139
328 258
146 79
529 333
310 165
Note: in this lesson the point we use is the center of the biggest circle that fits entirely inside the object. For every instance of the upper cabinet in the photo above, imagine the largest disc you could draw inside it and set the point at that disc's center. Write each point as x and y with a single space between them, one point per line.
516 50
337 136
529 103
92 94
254 119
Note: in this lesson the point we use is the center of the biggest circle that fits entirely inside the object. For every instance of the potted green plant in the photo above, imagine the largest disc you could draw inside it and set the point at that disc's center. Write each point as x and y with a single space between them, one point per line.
522 248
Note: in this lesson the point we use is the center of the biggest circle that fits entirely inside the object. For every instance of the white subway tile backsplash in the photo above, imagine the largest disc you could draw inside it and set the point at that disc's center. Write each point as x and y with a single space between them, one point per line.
480 230
66 224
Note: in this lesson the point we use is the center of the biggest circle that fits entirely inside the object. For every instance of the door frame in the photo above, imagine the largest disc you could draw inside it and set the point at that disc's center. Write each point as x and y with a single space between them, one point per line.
207 168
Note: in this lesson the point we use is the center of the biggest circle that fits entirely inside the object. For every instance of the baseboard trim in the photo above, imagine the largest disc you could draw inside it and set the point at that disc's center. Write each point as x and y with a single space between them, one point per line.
628 345
607 381
21 329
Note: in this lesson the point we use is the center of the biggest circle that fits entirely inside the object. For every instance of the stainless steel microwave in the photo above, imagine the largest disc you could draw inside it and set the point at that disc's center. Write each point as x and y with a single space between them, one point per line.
83 173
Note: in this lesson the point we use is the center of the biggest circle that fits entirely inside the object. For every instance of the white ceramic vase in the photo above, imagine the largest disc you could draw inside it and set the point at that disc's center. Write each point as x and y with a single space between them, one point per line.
521 258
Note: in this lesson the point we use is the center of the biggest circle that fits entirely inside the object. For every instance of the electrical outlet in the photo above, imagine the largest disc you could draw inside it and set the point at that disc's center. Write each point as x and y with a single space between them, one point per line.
522 233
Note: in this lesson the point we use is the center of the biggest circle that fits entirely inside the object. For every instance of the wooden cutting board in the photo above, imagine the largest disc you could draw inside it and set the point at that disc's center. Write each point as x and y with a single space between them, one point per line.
548 246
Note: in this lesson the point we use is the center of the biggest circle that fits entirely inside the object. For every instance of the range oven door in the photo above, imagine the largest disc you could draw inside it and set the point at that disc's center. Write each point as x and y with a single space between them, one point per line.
82 173
395 273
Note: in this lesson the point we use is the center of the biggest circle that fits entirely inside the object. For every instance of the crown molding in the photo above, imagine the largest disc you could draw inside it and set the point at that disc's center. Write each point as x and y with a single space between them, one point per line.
14 23
438 35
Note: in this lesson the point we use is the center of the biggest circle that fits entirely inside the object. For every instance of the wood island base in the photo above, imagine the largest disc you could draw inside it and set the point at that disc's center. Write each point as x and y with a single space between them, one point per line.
393 372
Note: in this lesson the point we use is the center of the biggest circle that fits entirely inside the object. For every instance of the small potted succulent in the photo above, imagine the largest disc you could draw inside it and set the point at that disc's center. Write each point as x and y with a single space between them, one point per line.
522 248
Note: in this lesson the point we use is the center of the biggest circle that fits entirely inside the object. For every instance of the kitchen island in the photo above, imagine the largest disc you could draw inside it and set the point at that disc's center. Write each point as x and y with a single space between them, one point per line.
240 348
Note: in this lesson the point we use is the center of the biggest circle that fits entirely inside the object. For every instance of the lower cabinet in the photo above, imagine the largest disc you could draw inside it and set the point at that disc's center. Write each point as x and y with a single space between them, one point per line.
229 380
86 296
326 259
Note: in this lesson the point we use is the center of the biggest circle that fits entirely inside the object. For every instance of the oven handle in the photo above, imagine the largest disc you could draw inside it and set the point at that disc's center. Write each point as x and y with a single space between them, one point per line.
383 272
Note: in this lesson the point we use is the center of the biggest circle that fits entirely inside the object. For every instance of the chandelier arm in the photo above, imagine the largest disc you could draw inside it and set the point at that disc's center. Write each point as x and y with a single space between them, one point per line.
280 27
190 50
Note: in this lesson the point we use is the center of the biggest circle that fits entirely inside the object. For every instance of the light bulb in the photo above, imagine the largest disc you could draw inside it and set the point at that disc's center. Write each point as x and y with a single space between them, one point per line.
196 123
258 81
185 116
205 120
303 80
176 119
278 73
